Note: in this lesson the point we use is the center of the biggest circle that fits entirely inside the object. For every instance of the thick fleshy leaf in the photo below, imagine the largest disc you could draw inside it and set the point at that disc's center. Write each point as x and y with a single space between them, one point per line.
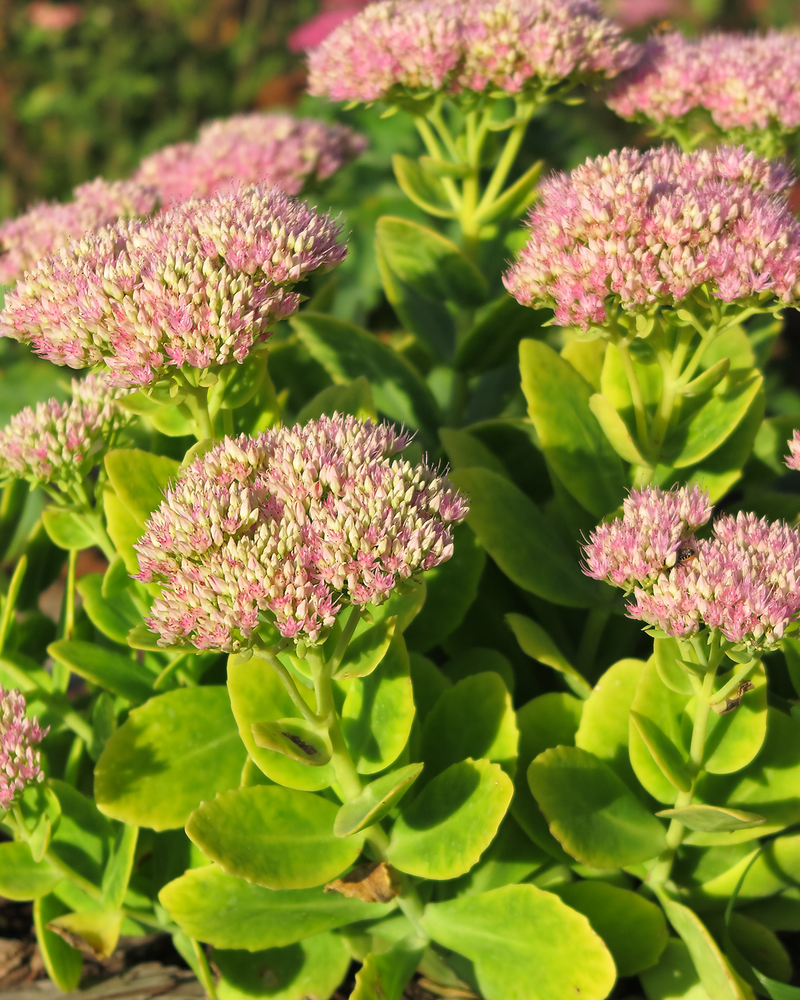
547 721
664 709
124 529
97 930
83 839
450 590
354 398
295 739
422 187
313 967
431 264
712 818
444 830
117 875
632 927
273 836
365 651
718 978
139 479
171 754
604 721
510 858
114 615
590 810
480 660
521 540
666 755
615 430
346 351
375 801
535 641
767 873
668 655
258 696
525 944
474 718
378 711
22 878
67 528
734 738
386 975
493 339
228 912
569 433
117 673
62 962
675 977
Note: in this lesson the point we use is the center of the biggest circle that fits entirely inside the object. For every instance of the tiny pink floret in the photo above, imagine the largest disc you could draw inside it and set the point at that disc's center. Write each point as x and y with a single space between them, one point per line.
20 761
792 460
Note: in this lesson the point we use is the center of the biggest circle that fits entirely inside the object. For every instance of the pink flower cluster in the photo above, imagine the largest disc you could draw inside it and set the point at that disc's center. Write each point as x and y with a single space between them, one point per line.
197 285
743 581
61 442
292 526
395 48
746 83
20 763
793 458
49 225
275 149
641 229
634 550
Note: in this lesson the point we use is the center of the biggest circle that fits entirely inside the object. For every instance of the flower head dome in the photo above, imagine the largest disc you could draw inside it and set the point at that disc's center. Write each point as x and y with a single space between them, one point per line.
20 761
197 285
640 229
292 526
407 48
275 149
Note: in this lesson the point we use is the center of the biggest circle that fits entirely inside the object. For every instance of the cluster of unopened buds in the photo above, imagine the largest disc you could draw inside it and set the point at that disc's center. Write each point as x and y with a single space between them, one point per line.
639 230
276 149
456 46
745 84
20 761
290 527
49 225
197 285
743 581
59 443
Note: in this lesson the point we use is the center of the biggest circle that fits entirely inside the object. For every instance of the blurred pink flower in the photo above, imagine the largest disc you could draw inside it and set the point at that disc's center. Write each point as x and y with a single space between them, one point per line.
632 13
54 16
317 28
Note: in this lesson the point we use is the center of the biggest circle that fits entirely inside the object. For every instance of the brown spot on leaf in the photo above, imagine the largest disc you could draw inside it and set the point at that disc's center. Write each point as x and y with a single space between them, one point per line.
305 747
730 704
375 882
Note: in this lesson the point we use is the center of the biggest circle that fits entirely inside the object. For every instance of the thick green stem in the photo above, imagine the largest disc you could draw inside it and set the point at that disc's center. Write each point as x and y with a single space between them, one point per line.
197 401
502 167
288 682
344 640
434 150
636 396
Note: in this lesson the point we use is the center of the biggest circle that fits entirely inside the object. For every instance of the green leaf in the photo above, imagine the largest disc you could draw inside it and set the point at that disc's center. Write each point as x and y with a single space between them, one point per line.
590 810
355 398
119 674
712 818
570 436
547 721
314 967
675 977
522 541
769 787
514 199
510 858
493 339
605 721
708 380
615 430
173 421
762 872
366 650
443 168
295 739
114 615
378 711
172 753
22 878
237 383
386 975
228 912
123 529
668 665
763 951
62 962
718 978
665 709
429 263
83 838
258 696
67 528
474 718
666 755
375 801
534 641
346 351
734 738
525 944
711 424
633 928
96 929
273 836
118 871
480 660
445 829
451 588
139 479
466 452
425 190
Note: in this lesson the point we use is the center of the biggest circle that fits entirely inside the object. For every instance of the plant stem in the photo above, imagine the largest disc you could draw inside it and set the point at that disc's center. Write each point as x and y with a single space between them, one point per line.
288 682
205 977
502 167
429 139
197 401
636 396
